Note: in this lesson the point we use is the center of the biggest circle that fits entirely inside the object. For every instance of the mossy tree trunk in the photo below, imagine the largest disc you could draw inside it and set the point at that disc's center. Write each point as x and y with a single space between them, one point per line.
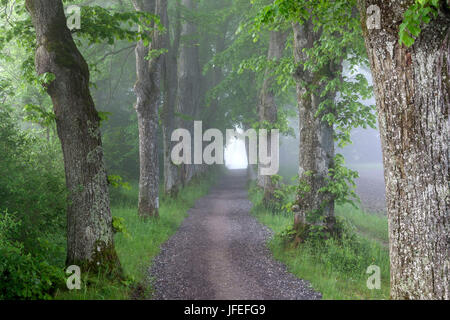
90 242
412 94
316 143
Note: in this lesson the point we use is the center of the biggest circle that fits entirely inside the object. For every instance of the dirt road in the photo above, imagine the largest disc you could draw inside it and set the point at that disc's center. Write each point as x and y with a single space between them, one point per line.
220 252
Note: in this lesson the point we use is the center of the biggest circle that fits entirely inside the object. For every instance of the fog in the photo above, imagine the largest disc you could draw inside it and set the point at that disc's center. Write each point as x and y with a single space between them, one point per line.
235 155
364 155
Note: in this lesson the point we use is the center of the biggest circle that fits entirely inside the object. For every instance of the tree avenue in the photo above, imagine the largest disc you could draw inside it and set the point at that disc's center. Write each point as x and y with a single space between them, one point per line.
160 138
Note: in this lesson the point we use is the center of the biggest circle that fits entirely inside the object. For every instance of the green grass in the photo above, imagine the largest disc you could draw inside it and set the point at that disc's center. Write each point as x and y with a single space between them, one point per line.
137 249
335 268
372 226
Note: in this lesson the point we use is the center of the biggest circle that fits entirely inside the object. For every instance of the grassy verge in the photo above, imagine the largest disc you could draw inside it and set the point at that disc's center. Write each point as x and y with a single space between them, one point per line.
372 226
336 268
141 243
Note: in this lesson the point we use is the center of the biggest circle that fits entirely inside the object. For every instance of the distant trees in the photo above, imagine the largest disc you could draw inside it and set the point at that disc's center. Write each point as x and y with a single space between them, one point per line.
185 46
412 91
189 81
90 242
234 89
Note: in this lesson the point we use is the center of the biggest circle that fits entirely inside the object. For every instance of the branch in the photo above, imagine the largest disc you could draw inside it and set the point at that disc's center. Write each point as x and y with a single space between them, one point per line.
114 52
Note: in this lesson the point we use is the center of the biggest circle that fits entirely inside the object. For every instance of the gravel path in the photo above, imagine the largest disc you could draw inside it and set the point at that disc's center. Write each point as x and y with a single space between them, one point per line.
220 252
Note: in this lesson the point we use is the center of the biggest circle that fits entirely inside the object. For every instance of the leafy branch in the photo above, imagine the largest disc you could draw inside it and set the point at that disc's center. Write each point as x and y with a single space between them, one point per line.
422 11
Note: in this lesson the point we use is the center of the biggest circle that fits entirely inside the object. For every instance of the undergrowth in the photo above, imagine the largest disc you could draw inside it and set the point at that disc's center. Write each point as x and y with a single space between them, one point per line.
336 267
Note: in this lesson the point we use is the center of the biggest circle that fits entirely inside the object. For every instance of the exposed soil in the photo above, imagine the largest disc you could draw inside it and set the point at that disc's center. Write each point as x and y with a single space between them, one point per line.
220 252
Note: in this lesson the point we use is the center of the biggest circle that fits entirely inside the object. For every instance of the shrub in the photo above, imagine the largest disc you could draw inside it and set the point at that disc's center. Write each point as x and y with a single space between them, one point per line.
32 213
32 185
23 275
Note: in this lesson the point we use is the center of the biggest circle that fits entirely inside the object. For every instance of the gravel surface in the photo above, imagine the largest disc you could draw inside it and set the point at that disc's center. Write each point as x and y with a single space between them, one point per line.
220 252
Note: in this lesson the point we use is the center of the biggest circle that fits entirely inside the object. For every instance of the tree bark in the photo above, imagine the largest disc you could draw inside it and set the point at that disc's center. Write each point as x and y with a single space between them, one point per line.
267 109
251 172
189 77
147 89
412 95
90 242
316 142
170 64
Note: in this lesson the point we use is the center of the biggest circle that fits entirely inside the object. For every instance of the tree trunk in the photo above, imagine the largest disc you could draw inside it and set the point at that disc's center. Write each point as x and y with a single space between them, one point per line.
214 77
316 142
147 89
250 167
188 83
267 109
170 64
412 94
90 242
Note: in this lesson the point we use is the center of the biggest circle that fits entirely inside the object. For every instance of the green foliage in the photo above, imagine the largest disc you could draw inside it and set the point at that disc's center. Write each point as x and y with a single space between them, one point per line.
117 181
100 25
282 123
284 196
281 69
237 94
121 145
421 12
33 183
104 116
23 275
340 41
46 78
335 60
340 182
39 114
153 54
347 112
32 234
119 226
303 187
